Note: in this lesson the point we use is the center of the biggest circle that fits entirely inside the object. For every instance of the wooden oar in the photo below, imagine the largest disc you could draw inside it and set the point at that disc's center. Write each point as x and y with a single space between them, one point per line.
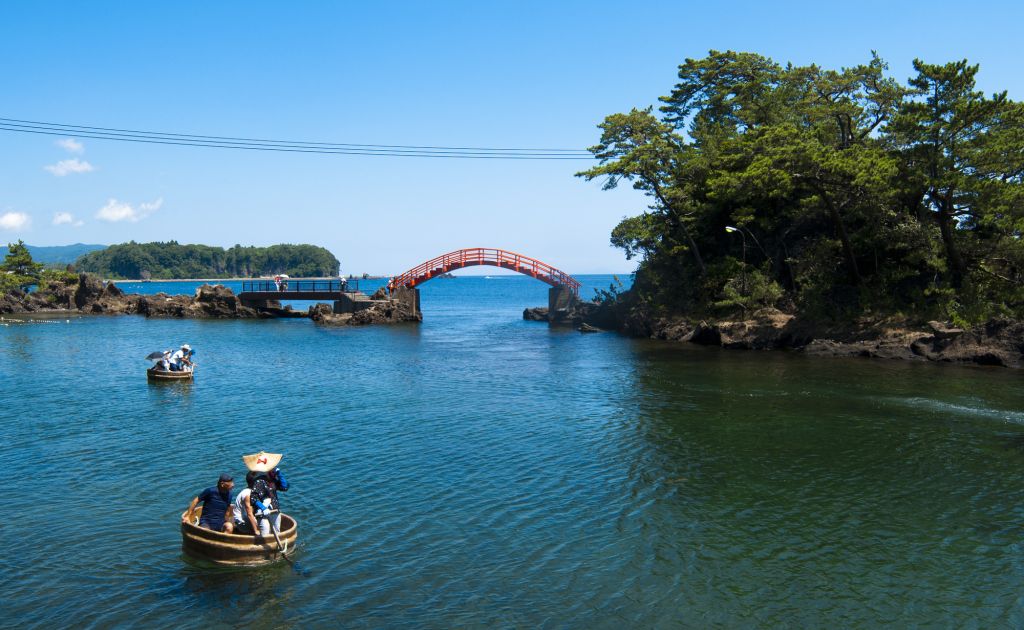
280 545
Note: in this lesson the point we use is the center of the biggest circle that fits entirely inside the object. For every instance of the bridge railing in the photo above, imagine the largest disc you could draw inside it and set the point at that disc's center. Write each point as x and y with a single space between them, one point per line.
290 285
484 256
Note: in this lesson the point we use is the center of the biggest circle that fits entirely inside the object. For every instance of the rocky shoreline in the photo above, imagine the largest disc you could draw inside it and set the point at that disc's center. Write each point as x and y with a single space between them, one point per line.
90 295
380 310
996 343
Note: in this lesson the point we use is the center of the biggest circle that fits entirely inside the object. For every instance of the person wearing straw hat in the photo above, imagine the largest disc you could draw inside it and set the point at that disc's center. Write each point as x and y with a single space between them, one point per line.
257 507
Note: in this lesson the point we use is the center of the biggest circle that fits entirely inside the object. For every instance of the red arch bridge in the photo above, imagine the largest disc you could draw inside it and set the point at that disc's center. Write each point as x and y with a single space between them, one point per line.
266 295
484 256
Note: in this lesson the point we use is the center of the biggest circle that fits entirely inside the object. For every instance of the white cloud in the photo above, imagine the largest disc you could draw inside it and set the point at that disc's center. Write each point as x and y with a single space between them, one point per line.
14 221
71 145
62 218
116 211
74 165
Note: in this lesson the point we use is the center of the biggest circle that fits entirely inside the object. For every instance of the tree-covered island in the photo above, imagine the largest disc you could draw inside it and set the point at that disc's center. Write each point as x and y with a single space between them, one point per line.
172 260
29 287
832 195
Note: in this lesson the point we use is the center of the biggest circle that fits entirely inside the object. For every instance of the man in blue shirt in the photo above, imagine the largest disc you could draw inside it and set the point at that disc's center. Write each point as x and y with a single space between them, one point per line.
216 503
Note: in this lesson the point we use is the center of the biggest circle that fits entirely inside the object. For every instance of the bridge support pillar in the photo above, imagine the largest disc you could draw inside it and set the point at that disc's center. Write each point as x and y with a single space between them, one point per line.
351 303
408 298
560 302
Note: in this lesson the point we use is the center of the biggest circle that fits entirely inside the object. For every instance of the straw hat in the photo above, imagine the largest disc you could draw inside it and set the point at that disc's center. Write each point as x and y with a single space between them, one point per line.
262 462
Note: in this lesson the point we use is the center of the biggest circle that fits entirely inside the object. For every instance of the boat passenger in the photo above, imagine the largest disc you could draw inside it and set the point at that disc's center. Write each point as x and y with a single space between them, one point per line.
217 506
164 364
242 515
181 359
258 510
277 482
264 502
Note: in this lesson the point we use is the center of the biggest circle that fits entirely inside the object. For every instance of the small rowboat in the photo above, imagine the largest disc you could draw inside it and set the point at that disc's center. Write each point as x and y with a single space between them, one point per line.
236 550
154 374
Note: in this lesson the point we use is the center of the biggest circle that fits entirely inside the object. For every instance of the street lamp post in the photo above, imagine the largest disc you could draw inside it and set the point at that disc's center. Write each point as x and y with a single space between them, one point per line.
732 229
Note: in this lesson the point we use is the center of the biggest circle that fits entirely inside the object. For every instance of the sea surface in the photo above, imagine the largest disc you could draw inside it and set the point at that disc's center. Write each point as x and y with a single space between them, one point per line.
479 470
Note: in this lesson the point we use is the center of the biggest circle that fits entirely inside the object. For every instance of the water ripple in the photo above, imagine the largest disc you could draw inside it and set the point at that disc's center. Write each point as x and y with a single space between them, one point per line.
483 471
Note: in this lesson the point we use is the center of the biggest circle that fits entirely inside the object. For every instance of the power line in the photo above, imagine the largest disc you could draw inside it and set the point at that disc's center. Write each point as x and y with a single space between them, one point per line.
264 140
290 146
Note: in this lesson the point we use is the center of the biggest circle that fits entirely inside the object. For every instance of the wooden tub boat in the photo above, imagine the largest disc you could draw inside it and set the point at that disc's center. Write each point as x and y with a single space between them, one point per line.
154 374
237 550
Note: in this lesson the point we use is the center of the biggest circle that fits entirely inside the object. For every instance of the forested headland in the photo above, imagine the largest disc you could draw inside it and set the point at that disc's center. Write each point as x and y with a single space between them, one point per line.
172 260
832 194
56 255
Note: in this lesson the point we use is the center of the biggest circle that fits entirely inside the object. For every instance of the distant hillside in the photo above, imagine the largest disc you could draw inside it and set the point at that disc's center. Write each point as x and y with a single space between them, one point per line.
171 260
57 254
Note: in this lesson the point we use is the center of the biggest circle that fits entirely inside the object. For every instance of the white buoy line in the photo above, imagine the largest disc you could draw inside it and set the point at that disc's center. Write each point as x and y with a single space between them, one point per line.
5 321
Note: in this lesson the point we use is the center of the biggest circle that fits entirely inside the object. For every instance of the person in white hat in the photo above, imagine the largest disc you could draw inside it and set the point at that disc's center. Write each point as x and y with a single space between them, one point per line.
181 359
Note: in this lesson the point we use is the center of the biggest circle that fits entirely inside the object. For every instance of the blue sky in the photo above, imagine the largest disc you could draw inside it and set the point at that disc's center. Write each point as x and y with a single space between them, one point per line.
489 74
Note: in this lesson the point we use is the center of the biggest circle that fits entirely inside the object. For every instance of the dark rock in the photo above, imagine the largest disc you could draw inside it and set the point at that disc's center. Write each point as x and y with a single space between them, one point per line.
318 312
12 302
89 290
764 330
380 294
387 311
538 314
990 358
59 295
113 291
209 302
825 347
163 305
704 334
637 323
944 331
998 342
587 328
576 313
218 302
674 330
